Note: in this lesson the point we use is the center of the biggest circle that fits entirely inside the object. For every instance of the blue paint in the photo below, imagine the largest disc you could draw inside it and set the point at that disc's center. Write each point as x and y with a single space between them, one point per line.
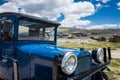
48 50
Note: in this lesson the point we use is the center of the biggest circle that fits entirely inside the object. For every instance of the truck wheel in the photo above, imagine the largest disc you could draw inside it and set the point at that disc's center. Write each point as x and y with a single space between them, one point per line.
105 76
100 76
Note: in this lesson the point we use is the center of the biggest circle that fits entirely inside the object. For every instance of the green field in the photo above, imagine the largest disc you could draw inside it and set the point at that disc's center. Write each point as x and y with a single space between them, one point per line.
114 74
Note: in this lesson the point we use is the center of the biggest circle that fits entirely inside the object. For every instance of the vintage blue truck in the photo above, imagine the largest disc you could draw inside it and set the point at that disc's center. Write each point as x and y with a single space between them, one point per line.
28 51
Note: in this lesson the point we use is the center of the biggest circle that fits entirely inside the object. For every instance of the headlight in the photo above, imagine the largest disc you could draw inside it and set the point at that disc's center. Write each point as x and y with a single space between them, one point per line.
69 63
98 55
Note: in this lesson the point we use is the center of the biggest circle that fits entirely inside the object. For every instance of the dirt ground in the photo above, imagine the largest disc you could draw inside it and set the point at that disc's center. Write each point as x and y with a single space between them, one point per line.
115 53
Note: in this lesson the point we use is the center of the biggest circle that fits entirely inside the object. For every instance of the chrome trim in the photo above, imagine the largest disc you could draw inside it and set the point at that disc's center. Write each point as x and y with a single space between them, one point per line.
100 54
65 58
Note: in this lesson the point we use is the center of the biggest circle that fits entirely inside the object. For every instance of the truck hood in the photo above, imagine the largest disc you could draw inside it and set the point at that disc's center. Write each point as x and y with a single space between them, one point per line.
45 50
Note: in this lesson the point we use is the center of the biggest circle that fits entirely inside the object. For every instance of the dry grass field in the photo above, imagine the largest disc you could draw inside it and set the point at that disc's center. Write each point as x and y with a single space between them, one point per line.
87 44
114 74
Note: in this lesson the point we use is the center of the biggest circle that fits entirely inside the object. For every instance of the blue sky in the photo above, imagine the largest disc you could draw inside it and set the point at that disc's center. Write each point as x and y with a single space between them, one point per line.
104 15
87 14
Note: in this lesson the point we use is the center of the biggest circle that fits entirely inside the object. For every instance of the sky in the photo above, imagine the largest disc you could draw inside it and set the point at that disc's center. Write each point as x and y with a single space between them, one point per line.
89 14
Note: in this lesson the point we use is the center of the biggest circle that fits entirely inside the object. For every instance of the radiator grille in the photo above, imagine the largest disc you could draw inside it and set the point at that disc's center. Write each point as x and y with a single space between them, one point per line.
43 72
83 64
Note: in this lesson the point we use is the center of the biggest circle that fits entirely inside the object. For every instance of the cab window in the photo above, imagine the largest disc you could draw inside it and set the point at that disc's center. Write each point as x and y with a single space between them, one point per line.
29 30
6 30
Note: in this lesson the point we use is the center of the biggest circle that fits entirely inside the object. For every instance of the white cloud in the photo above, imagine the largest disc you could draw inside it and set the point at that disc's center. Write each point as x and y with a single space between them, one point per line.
8 7
104 1
104 26
74 12
119 8
75 23
51 9
106 6
118 4
98 6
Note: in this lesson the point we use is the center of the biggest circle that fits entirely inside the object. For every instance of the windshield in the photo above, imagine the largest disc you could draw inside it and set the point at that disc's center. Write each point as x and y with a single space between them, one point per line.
30 30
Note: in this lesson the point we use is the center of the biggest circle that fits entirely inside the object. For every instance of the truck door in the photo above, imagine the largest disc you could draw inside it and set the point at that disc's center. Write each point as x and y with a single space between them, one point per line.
6 49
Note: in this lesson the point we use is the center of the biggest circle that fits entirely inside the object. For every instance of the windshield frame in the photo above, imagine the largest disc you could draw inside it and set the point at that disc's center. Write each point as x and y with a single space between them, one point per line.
38 41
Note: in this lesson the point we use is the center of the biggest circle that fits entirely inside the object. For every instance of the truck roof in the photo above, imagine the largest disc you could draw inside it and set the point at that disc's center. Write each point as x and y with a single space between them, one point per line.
25 16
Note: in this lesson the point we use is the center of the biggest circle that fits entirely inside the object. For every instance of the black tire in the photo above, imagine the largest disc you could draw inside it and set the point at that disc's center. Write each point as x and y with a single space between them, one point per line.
105 76
100 76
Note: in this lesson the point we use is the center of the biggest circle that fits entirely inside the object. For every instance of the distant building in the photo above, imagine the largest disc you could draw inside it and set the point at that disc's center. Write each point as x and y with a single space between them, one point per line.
116 38
78 34
62 34
98 38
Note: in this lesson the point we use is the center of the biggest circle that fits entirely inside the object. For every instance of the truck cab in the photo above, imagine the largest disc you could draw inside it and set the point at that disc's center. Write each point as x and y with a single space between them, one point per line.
28 51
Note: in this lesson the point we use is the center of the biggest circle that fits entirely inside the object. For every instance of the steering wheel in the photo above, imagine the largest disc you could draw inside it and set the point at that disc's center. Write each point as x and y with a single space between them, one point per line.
47 36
